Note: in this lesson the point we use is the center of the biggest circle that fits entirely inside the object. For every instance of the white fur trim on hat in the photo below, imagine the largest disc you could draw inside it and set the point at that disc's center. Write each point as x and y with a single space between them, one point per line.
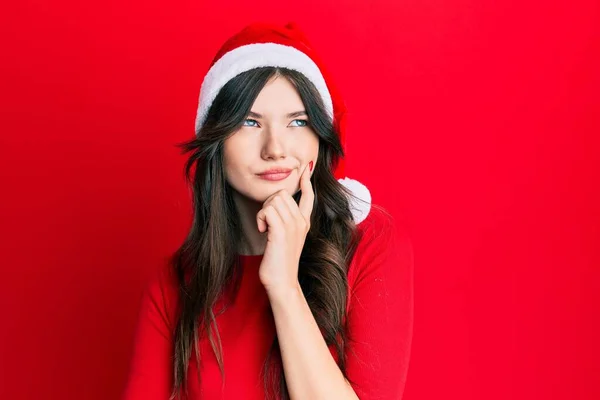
360 202
252 56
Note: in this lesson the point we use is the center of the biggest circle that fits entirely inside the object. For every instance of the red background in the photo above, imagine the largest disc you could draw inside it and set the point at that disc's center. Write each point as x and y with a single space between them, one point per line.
475 122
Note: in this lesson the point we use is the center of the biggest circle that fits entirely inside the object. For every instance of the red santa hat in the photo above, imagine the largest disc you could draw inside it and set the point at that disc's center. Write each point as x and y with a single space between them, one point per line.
269 45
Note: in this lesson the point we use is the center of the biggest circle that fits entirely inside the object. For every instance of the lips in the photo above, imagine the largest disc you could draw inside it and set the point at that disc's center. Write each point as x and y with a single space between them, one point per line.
275 174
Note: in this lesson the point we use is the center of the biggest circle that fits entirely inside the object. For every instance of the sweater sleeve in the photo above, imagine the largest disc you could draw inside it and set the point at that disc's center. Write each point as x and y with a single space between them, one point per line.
150 371
380 311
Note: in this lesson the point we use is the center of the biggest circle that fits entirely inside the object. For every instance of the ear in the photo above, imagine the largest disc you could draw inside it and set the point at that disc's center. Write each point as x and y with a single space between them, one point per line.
360 201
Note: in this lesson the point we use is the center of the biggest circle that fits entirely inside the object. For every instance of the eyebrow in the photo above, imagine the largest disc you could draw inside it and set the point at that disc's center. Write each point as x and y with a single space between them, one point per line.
290 115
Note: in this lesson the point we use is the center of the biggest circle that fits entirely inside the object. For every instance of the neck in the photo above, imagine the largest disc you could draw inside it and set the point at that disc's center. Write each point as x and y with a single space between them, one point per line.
253 242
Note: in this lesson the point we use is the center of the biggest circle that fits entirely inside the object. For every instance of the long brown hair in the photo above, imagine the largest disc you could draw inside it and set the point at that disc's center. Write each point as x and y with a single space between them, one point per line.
205 264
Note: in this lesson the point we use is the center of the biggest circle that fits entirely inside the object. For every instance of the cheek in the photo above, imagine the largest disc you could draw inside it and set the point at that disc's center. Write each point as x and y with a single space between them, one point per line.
234 154
312 147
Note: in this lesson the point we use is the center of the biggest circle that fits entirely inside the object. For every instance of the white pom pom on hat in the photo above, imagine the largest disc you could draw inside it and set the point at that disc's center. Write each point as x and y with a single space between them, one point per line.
269 45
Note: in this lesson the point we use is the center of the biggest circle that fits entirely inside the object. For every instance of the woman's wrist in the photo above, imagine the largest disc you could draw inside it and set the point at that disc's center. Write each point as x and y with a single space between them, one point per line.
284 293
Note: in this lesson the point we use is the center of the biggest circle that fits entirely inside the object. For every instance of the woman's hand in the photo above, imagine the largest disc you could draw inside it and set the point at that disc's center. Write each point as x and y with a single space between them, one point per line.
287 225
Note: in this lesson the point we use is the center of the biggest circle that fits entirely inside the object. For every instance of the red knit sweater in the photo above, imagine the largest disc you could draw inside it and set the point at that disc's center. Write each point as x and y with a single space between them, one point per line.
380 319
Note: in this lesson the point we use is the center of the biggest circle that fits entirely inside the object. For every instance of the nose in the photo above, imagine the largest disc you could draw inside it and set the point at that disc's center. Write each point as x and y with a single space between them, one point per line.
274 147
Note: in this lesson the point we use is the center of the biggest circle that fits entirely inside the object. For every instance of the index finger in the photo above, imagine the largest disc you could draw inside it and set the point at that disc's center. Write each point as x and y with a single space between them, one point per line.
308 196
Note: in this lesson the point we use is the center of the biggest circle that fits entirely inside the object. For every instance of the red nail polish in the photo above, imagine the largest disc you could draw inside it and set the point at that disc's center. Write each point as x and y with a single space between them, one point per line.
310 165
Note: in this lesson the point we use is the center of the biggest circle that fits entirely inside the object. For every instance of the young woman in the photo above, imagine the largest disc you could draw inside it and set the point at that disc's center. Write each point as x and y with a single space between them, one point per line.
290 283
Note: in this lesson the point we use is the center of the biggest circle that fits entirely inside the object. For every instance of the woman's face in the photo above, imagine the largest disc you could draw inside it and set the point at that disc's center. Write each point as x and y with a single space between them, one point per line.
275 135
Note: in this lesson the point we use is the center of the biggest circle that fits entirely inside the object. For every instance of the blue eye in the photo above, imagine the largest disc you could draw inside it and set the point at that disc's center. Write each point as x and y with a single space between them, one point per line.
302 121
251 120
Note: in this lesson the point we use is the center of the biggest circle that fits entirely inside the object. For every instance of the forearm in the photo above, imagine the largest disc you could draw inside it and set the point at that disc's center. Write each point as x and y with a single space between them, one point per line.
310 370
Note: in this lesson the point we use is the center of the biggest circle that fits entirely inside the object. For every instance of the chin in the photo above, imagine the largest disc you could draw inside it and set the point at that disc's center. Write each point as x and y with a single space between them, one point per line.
261 194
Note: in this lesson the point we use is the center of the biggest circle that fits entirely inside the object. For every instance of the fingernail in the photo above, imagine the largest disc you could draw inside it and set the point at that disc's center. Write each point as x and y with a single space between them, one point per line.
310 165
